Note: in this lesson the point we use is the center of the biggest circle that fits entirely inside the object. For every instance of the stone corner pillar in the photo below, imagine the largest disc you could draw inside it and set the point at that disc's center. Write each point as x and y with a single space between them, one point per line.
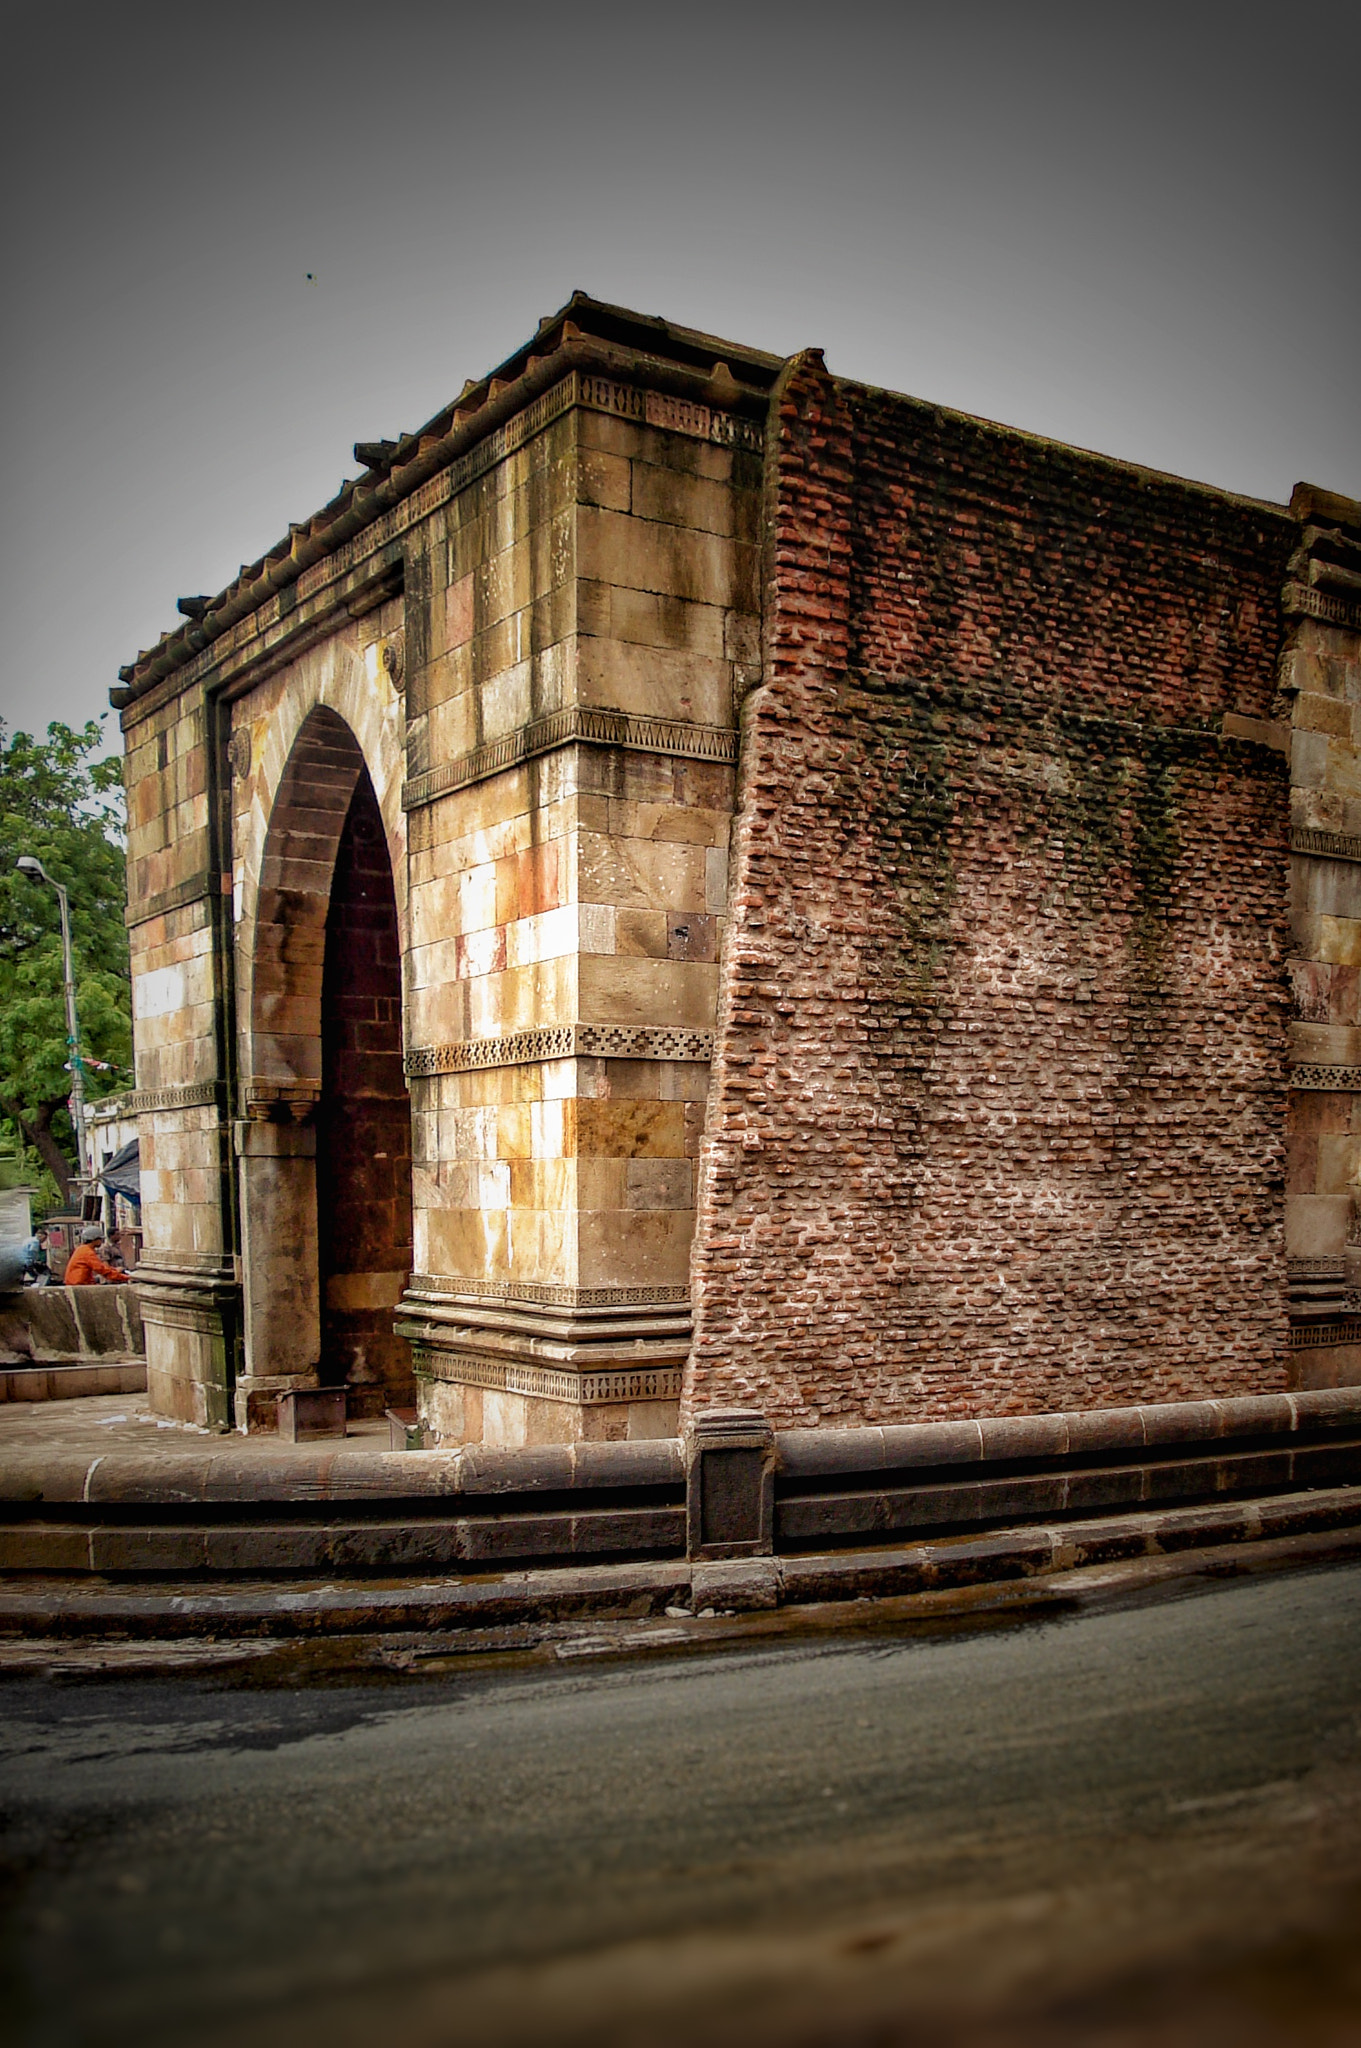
730 1484
1320 693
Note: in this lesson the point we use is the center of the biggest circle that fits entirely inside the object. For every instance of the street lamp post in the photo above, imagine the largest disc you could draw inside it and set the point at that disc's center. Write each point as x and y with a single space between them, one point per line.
29 865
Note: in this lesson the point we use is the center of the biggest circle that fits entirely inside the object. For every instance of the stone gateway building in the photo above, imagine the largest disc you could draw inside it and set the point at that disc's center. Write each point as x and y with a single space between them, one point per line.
693 882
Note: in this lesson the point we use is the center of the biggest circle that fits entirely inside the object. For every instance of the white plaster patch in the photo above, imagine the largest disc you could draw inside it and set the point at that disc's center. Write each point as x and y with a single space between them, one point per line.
159 993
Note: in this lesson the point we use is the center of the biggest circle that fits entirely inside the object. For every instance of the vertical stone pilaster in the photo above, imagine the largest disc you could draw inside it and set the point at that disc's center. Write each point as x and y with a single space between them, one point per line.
1320 693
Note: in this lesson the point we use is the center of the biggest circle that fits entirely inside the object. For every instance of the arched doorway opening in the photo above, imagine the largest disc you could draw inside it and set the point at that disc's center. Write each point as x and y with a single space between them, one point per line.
325 1151
363 1123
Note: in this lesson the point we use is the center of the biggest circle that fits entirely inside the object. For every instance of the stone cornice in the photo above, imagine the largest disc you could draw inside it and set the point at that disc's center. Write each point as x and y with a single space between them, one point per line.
561 1042
577 724
459 446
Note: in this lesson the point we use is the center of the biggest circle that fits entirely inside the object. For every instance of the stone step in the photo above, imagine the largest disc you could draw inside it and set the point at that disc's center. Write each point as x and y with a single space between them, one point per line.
391 1546
69 1379
1309 1529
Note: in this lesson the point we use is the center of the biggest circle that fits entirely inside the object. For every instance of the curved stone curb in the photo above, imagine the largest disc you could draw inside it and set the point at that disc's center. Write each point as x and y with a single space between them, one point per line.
633 1591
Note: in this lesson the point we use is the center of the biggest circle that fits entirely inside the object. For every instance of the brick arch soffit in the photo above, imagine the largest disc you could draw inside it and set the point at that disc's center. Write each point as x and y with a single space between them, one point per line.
306 820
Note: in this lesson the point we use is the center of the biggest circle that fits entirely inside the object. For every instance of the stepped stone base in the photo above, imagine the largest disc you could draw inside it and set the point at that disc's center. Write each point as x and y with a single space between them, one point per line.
515 1372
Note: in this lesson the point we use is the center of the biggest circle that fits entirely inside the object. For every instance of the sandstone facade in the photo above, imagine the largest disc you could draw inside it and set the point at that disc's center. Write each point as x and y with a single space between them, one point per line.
697 883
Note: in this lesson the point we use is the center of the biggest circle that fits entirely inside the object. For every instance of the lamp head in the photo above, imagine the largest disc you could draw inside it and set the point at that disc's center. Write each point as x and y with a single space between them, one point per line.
28 864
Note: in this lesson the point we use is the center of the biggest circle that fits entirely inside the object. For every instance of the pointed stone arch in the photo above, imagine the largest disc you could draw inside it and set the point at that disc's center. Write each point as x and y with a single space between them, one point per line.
308 817
315 1313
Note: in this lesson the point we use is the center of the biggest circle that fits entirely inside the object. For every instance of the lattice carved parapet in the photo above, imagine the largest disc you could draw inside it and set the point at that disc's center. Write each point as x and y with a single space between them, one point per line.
281 1102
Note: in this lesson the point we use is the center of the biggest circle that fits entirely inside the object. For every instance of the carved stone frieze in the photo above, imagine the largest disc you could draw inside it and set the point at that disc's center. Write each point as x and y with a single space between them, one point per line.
1300 599
561 1042
1315 1336
192 1095
1325 845
541 1294
548 1383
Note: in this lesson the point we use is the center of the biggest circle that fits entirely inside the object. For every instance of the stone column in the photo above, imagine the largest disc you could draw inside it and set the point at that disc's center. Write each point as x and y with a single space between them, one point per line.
277 1160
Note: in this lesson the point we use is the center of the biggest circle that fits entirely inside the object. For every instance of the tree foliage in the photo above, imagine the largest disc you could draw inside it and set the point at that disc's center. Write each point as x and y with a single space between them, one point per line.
62 803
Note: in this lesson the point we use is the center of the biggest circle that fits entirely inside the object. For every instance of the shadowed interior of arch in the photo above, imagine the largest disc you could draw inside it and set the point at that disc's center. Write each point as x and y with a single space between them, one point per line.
363 1123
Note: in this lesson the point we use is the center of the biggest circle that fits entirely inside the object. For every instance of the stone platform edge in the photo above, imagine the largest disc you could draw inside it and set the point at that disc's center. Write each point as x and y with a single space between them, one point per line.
178 1476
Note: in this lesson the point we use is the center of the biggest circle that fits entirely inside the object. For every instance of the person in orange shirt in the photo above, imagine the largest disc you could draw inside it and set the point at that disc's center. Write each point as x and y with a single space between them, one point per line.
85 1266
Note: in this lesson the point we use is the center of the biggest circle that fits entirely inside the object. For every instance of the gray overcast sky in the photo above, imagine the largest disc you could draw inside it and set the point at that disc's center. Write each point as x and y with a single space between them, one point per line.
1133 227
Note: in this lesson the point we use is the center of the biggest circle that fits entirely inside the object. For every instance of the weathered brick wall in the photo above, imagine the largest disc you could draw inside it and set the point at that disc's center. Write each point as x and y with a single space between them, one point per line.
997 1113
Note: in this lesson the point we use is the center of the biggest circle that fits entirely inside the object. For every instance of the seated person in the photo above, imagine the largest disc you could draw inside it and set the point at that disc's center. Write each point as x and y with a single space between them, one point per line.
37 1272
85 1266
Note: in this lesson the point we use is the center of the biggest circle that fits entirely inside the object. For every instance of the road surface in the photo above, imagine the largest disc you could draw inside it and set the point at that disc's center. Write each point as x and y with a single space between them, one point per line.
1123 1826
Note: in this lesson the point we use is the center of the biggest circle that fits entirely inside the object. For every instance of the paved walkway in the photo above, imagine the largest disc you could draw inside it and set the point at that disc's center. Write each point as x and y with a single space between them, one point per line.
98 1423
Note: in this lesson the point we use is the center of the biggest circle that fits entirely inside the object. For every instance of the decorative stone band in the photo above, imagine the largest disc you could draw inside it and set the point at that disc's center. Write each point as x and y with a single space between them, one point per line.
576 723
548 1383
193 1095
1312 1077
1314 604
1325 845
561 1042
1314 1336
539 1294
1316 1269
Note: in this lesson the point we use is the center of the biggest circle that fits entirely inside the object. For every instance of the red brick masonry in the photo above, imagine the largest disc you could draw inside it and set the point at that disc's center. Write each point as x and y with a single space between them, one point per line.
999 1096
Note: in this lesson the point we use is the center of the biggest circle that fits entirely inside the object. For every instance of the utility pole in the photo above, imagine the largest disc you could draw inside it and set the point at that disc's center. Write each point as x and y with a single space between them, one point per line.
28 864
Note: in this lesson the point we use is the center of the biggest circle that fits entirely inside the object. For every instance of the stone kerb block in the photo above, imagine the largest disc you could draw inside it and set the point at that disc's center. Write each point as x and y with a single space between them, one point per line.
308 1413
730 1484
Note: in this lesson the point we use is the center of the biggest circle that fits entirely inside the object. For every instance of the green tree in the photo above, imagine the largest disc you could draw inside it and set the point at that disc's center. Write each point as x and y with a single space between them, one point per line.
62 803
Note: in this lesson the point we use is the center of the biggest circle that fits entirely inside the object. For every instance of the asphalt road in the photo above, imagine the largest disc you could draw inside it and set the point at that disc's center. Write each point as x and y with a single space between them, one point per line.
1134 1825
